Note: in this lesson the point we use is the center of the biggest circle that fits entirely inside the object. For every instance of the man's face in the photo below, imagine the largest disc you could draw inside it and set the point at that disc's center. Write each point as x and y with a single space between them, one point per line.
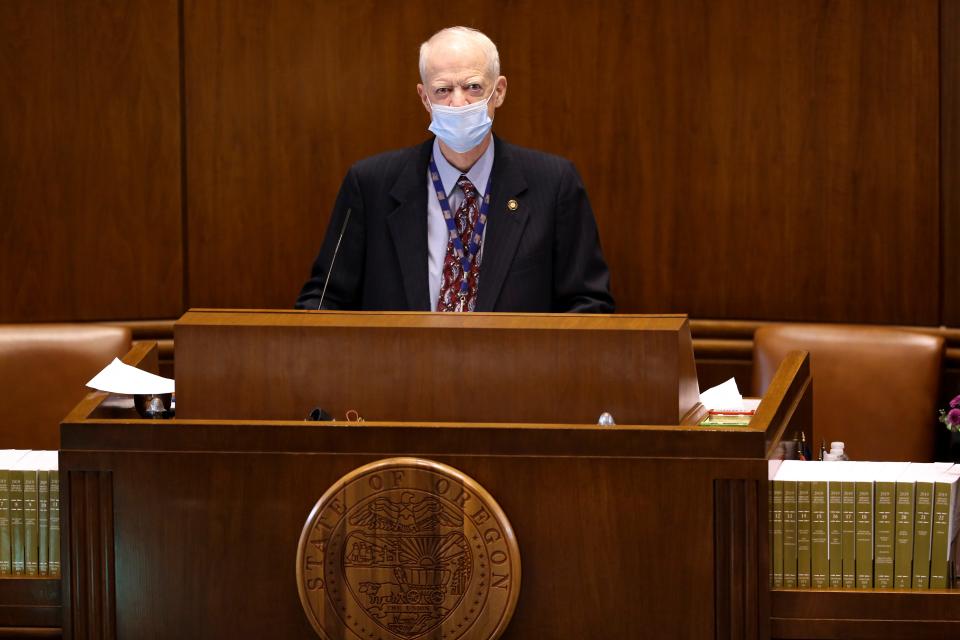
456 75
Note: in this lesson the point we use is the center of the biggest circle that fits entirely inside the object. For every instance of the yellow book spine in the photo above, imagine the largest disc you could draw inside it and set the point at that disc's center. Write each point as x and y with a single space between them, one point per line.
16 523
885 528
864 535
54 537
789 534
6 563
848 535
903 546
803 534
30 521
43 522
777 533
819 557
921 535
834 532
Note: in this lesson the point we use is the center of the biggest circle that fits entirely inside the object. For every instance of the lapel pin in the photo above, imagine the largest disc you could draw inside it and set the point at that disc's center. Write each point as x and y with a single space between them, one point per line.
512 204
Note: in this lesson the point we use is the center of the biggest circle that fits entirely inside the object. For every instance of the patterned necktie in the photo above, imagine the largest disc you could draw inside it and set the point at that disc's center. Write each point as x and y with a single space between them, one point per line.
465 218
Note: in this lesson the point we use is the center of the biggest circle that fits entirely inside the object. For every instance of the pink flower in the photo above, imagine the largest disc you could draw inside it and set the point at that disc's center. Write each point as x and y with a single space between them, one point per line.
955 403
953 417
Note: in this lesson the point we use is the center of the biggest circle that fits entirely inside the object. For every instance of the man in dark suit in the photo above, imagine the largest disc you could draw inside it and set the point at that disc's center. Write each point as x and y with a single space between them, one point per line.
464 221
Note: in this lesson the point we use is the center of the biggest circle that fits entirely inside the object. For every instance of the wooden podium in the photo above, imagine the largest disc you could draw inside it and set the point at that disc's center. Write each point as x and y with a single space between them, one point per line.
653 528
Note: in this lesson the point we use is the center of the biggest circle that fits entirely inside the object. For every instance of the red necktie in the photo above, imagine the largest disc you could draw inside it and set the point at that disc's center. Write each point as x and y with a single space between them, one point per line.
465 218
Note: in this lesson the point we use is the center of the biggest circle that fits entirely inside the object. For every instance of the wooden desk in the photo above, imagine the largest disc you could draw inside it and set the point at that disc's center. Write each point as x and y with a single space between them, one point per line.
189 528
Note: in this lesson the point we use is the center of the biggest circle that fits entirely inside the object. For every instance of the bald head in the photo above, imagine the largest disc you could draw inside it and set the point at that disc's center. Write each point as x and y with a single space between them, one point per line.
461 41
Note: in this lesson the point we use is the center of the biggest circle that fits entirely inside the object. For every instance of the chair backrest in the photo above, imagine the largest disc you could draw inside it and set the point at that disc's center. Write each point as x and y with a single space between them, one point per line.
874 388
43 370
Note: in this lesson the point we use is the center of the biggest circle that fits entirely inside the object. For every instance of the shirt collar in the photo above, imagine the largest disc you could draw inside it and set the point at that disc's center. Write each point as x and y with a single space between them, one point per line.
479 173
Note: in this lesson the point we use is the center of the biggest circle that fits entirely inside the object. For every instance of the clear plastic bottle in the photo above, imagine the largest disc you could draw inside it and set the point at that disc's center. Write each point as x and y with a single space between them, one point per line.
836 452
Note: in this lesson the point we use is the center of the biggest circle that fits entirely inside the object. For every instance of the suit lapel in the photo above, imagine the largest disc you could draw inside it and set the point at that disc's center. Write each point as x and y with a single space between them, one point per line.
504 226
408 228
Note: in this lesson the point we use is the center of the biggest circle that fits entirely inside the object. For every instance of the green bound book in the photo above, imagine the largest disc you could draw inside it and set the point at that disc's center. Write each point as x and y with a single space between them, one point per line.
54 537
953 537
789 532
864 526
885 523
848 494
803 529
31 518
43 522
819 552
834 523
772 469
944 505
6 560
17 547
777 526
923 522
903 545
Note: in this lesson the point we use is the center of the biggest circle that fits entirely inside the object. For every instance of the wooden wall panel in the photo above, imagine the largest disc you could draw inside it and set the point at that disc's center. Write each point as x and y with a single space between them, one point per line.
766 160
762 160
770 160
89 160
950 157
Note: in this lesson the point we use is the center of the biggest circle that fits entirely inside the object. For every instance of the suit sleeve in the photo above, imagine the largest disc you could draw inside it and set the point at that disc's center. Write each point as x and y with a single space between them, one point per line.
346 275
581 281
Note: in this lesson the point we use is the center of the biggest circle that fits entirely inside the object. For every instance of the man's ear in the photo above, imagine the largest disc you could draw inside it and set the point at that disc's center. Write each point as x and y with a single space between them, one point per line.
422 92
501 88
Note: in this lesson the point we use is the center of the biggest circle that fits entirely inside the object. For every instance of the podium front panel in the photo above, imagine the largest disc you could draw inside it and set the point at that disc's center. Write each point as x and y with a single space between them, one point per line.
519 368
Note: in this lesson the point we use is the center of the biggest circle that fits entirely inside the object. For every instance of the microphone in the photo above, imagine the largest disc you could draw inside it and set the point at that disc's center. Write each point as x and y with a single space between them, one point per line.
336 249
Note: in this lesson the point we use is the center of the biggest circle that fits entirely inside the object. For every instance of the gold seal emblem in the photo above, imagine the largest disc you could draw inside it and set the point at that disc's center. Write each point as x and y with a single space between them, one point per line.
405 547
512 204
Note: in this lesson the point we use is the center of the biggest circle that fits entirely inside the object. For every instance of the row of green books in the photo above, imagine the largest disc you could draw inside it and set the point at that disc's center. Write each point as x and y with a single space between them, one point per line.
29 513
863 525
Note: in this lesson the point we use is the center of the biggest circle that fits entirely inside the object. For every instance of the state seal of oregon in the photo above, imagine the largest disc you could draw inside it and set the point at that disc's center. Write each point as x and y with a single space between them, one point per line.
407 548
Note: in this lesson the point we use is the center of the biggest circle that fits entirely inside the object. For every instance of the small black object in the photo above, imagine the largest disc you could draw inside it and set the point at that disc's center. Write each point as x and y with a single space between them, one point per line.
319 415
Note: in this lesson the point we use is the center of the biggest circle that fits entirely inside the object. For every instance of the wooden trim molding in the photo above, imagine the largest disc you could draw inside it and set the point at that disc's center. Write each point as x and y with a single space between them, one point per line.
739 566
836 615
712 339
29 606
733 340
88 551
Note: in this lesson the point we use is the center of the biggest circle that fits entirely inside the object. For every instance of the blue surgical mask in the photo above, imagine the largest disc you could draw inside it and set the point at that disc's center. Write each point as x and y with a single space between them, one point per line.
461 128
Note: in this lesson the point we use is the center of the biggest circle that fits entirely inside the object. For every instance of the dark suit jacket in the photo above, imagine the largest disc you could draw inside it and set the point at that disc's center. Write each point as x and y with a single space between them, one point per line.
542 257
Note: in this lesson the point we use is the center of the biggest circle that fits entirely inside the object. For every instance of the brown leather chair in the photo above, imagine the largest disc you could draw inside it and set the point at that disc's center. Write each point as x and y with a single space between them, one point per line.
874 388
43 370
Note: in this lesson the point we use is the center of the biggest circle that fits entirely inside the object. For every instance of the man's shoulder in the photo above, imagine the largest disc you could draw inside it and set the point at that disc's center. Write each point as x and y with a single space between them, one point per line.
535 160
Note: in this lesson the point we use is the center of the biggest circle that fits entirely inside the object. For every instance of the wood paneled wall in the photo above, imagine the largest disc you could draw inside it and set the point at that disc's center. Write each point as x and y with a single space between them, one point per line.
756 160
950 157
90 200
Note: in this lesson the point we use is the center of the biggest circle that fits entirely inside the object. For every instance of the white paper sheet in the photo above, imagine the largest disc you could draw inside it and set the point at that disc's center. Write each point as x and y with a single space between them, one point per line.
118 377
724 396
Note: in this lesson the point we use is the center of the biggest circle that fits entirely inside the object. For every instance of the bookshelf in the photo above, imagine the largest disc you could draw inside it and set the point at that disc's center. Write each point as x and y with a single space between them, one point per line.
30 607
866 614
847 614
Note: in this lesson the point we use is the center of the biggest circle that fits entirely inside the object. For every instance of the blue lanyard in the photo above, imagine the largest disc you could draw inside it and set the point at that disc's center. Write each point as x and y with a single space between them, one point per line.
467 257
